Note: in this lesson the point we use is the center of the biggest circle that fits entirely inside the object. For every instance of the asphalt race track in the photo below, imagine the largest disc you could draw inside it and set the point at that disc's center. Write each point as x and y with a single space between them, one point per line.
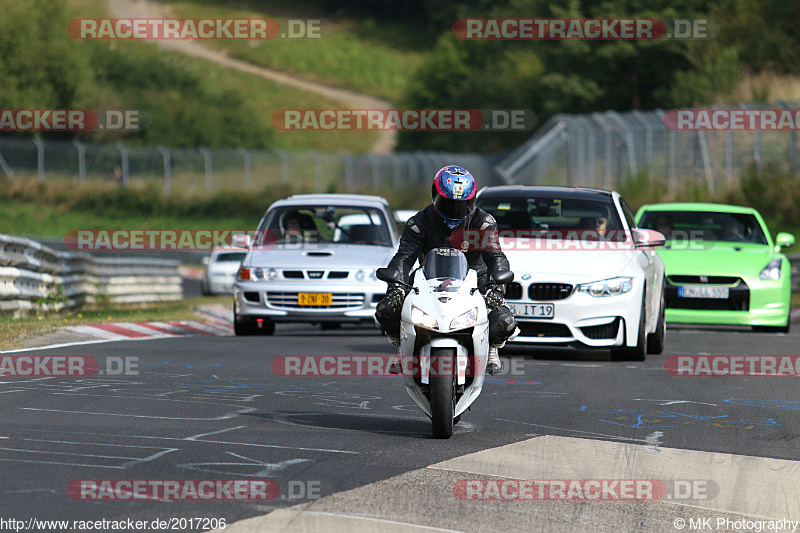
212 408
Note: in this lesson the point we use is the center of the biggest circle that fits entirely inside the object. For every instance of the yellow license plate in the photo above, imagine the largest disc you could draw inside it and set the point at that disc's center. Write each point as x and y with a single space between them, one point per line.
320 299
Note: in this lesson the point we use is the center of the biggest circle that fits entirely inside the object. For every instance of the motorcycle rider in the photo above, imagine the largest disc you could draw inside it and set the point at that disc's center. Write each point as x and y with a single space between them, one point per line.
452 208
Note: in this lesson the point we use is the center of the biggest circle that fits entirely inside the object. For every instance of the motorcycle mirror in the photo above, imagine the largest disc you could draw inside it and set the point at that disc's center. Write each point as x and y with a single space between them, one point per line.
389 275
501 277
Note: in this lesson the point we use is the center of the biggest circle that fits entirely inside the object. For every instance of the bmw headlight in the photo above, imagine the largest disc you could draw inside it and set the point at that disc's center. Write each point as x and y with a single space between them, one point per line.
465 320
772 270
607 287
421 318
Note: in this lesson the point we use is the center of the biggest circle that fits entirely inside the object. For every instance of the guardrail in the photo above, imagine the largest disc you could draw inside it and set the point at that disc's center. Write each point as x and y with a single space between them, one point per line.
35 277
794 260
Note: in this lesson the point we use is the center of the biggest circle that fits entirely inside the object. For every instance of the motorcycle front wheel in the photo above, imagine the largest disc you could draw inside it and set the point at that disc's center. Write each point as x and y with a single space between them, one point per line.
442 395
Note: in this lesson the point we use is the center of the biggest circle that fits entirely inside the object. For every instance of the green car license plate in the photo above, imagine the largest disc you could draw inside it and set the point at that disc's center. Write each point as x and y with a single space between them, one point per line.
693 291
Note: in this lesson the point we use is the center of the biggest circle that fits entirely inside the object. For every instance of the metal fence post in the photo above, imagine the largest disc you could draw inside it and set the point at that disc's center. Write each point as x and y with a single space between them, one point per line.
81 160
123 151
627 134
792 146
606 150
318 186
284 157
165 156
347 159
39 157
208 169
701 138
7 169
376 177
248 168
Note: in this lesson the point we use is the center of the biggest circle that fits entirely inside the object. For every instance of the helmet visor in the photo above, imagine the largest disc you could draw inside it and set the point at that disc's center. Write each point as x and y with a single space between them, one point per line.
455 209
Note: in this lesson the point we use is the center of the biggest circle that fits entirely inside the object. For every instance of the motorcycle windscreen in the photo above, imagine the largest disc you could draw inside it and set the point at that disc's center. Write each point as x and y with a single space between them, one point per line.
445 269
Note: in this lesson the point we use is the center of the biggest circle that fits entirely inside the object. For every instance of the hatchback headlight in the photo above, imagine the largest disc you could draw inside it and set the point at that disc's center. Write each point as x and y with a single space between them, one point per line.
465 320
421 318
607 287
772 270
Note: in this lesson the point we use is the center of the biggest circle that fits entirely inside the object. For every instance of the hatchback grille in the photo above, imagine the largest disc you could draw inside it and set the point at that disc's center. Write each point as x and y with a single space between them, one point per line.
293 274
337 275
604 331
549 291
289 300
543 329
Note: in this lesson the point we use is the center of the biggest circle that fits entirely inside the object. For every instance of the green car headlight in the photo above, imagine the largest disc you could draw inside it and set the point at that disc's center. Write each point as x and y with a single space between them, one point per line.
772 270
607 287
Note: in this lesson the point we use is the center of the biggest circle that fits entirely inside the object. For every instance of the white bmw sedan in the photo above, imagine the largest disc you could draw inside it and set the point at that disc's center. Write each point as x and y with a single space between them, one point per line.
313 260
585 275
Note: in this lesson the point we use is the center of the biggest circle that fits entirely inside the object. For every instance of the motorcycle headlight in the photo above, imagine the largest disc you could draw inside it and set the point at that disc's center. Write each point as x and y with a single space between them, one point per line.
465 320
607 287
421 318
772 270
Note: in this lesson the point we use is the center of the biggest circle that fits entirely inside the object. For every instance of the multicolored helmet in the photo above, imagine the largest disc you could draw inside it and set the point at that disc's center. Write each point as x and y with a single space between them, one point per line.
453 193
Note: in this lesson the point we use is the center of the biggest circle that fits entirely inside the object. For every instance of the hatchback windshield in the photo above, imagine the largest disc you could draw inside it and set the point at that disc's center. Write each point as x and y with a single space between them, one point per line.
327 224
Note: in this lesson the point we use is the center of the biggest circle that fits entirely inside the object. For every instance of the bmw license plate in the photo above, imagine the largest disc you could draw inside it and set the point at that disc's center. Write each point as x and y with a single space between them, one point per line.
318 299
533 310
693 291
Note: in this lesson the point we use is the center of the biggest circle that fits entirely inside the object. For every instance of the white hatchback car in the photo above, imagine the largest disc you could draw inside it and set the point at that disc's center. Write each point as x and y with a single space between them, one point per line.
220 269
313 260
585 275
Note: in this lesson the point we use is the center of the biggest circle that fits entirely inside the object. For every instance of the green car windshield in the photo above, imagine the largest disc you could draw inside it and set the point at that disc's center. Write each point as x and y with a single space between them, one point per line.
705 226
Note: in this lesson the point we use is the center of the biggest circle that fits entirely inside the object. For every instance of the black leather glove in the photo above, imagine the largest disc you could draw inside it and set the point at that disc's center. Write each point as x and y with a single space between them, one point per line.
395 298
494 297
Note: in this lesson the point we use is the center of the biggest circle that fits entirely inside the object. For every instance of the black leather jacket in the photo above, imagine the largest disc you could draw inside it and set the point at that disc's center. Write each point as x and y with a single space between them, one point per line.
425 231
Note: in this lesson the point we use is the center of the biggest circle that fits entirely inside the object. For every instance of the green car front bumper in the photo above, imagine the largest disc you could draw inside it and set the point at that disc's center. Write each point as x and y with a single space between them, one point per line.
755 302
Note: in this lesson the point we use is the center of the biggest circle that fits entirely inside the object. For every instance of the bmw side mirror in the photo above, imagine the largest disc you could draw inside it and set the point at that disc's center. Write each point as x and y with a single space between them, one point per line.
648 238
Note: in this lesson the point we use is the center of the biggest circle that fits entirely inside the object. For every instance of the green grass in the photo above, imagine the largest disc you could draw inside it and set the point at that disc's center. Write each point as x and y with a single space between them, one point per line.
14 331
358 54
193 102
60 205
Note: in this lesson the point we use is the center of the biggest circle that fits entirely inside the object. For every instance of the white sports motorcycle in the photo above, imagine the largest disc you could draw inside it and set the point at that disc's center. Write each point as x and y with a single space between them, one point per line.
444 335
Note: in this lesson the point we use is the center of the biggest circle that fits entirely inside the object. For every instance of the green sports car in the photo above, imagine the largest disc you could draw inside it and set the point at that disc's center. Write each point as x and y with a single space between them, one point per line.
721 265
